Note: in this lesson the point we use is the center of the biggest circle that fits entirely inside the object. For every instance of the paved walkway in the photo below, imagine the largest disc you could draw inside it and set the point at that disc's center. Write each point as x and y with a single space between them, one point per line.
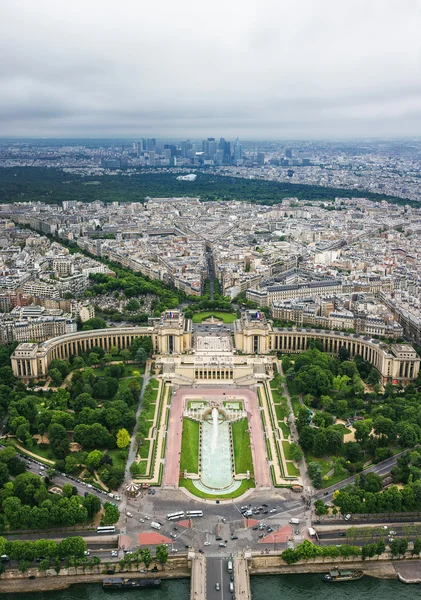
241 578
303 465
257 440
173 453
152 538
198 578
133 444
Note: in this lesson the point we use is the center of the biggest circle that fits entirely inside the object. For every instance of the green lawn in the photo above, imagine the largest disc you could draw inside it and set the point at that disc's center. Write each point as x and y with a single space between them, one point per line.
340 475
142 467
286 446
190 447
242 451
325 465
292 469
144 449
224 316
123 384
281 412
118 456
246 484
340 427
285 429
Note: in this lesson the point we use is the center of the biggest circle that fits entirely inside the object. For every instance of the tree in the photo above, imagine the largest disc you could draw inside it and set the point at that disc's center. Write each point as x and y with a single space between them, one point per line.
123 438
290 556
110 515
92 504
417 546
295 452
315 474
314 380
125 354
94 323
72 546
94 459
141 356
161 554
58 440
320 507
146 557
335 440
362 431
56 376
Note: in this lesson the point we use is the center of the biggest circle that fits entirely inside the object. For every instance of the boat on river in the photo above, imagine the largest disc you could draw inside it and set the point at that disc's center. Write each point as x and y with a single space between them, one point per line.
117 583
350 575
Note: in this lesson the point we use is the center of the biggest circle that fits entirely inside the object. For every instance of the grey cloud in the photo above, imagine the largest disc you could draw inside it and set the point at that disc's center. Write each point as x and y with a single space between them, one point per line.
267 69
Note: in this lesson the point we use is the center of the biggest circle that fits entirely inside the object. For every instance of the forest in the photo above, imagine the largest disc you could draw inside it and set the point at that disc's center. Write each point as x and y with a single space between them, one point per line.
32 184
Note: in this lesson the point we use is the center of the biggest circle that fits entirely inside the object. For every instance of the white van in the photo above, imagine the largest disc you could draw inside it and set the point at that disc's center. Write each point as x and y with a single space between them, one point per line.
347 517
294 521
231 587
155 525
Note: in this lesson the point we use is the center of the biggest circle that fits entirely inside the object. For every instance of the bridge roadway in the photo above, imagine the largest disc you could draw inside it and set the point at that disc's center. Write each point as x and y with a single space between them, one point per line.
211 580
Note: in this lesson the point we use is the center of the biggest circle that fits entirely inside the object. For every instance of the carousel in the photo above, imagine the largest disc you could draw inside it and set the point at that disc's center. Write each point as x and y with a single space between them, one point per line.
132 489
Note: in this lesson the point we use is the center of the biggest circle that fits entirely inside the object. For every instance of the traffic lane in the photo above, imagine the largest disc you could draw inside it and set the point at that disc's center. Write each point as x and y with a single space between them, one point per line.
217 572
380 468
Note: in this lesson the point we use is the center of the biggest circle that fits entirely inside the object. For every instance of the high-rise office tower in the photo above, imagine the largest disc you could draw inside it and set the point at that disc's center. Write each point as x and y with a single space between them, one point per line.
167 154
185 147
150 143
261 158
288 152
151 158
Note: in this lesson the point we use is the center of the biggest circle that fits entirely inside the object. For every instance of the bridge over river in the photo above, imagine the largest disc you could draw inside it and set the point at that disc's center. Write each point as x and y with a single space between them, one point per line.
211 580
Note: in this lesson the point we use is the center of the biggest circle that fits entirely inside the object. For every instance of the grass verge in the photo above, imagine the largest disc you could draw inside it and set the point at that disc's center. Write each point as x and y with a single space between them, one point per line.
242 450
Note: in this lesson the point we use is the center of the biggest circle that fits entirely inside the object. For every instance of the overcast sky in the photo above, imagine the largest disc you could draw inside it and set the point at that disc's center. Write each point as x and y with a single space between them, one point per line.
182 68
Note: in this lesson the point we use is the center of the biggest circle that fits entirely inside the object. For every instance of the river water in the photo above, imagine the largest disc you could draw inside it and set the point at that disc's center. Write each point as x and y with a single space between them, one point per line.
270 587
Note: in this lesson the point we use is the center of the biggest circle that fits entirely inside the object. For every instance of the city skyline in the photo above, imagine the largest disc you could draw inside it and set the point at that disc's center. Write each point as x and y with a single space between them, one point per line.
182 71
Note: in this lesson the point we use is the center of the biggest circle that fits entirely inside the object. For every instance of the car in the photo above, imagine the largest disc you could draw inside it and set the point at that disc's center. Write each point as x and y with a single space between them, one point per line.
114 553
222 545
128 552
218 538
174 550
255 528
326 494
160 523
265 512
31 577
147 518
153 491
129 514
272 510
234 537
175 528
224 520
110 571
217 587
141 520
342 534
201 551
206 543
261 535
265 505
174 536
269 529
297 532
232 578
86 553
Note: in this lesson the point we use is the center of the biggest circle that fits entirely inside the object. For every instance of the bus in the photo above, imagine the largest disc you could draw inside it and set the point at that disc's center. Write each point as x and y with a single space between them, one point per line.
194 513
175 516
106 529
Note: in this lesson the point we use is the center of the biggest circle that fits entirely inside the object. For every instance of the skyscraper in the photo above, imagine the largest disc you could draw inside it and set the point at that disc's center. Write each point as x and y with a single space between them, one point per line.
151 158
288 152
261 158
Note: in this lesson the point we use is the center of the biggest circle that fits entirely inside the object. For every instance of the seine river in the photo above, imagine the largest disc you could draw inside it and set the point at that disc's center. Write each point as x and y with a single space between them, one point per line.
273 587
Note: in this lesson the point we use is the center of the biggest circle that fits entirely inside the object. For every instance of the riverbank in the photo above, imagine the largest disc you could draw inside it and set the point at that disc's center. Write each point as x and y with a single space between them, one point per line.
63 582
405 570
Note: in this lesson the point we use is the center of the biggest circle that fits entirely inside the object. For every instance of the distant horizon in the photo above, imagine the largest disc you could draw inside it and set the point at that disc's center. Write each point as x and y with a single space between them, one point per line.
134 138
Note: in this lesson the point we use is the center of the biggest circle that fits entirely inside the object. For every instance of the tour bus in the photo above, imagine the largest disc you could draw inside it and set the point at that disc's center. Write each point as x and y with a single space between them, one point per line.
155 525
230 566
106 529
175 516
194 513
